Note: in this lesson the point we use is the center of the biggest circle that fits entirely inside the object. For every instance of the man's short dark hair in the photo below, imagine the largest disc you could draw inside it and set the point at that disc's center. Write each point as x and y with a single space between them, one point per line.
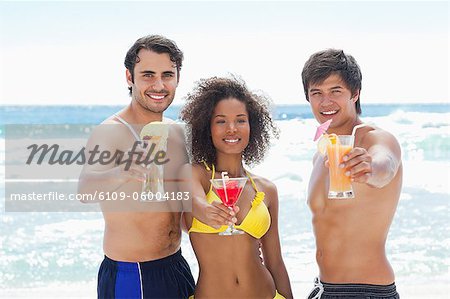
158 44
331 61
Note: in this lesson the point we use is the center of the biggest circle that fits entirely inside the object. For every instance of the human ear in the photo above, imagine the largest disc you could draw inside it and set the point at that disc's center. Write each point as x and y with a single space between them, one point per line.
129 78
355 97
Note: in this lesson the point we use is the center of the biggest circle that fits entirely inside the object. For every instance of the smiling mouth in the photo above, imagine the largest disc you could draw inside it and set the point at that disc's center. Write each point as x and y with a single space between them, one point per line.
330 112
232 141
156 97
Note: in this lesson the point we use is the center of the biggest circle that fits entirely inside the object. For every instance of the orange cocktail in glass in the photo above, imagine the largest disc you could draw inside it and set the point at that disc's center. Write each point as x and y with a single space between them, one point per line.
340 184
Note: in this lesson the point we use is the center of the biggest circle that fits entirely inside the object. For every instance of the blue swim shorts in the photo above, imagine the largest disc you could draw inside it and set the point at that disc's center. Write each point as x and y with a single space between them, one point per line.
169 277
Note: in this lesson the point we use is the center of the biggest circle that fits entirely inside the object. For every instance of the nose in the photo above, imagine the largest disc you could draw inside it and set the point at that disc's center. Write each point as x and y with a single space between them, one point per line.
158 84
326 100
231 127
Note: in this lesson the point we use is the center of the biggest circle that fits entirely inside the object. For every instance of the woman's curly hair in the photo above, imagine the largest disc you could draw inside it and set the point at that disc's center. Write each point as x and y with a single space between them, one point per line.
197 113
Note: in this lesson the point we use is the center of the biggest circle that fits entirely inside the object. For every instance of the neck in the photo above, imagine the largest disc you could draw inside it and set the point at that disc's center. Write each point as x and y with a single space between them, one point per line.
140 115
231 164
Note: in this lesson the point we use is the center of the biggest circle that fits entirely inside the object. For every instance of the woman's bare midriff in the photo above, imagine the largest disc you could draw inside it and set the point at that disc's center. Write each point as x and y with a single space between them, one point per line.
230 267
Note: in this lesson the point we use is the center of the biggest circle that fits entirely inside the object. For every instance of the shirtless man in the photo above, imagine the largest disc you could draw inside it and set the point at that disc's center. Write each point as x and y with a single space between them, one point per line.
142 246
351 234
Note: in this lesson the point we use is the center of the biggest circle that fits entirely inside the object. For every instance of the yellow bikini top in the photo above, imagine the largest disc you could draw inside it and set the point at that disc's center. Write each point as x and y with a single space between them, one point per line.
256 223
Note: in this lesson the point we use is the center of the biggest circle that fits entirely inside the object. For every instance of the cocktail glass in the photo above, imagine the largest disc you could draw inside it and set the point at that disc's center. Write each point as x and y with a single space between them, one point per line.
229 190
340 184
156 134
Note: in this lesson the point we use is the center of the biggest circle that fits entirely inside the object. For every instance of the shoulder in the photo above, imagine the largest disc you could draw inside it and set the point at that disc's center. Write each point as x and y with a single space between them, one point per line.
371 136
269 189
197 171
201 174
110 133
110 120
265 185
113 125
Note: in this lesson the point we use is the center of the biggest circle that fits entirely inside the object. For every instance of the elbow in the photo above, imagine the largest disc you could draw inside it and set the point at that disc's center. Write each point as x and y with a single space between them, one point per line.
383 174
379 180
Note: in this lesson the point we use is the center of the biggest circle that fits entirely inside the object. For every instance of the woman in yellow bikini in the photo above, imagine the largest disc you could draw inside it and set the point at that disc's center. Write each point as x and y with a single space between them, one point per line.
229 125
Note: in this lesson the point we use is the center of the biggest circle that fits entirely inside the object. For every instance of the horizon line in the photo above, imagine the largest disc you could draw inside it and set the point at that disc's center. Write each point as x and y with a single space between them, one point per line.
179 105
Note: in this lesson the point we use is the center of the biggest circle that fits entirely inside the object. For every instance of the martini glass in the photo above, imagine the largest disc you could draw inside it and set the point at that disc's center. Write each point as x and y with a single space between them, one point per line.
229 190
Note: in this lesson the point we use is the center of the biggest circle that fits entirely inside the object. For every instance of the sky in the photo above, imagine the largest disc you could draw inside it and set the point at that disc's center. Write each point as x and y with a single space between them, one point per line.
73 52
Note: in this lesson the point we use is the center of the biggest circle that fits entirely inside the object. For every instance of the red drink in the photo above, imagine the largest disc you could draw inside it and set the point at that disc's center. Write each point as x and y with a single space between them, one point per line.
229 190
233 192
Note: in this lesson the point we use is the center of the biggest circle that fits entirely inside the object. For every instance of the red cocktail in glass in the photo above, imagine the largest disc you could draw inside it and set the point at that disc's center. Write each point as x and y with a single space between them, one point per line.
229 190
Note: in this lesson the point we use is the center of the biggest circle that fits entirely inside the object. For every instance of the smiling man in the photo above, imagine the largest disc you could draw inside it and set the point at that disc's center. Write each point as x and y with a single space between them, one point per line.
141 241
351 233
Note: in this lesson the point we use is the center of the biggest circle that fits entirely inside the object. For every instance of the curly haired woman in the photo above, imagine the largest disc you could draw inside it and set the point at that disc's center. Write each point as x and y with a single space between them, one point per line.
230 125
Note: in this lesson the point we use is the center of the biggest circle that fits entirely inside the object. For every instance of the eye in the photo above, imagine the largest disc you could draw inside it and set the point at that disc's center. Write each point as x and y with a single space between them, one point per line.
148 75
220 121
168 75
315 93
336 91
241 121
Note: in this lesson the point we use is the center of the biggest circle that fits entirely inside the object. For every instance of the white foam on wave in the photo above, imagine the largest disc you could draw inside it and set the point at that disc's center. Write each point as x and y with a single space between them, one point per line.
422 136
432 176
73 228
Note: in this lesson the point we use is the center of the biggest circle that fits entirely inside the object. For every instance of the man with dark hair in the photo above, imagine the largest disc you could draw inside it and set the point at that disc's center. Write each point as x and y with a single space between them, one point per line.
142 246
157 44
142 240
154 49
351 233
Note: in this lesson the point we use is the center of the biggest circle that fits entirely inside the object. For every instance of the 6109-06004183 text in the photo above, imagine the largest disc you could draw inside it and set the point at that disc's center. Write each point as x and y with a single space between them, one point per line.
100 196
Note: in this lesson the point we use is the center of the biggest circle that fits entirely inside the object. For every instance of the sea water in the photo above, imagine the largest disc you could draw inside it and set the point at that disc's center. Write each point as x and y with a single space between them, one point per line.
41 249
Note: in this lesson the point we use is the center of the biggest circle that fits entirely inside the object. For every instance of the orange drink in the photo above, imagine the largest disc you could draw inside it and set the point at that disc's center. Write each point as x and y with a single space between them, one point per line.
340 184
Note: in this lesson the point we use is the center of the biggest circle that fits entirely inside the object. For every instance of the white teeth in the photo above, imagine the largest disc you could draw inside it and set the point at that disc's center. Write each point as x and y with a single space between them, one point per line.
156 97
231 140
329 112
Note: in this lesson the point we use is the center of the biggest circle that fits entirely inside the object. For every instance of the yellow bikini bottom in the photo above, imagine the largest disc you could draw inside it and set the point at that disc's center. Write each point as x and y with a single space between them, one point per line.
277 296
